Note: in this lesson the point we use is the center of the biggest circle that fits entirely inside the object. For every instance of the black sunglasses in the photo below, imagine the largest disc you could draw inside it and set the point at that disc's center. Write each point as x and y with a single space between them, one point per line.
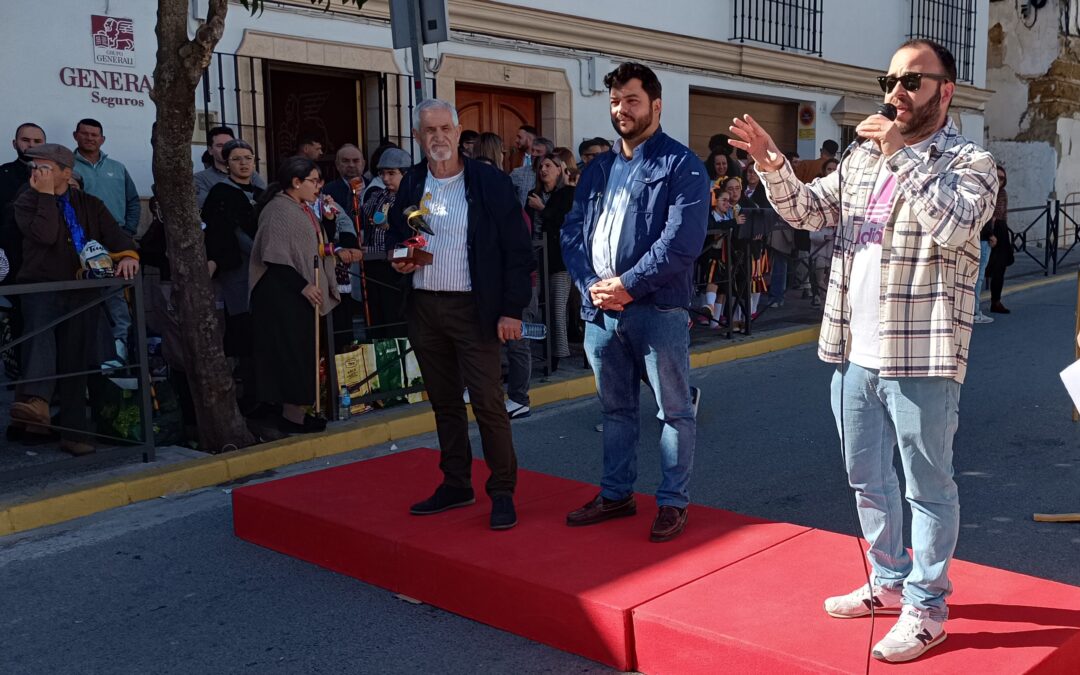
911 81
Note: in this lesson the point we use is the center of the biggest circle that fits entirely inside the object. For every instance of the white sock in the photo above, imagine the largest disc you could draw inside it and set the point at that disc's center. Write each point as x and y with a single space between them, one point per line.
710 298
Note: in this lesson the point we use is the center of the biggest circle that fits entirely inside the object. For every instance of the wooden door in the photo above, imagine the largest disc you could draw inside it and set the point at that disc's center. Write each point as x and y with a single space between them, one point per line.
712 114
502 111
324 104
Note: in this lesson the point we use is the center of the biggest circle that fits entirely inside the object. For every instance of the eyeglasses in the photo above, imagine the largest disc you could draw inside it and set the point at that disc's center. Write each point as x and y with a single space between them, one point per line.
314 181
911 81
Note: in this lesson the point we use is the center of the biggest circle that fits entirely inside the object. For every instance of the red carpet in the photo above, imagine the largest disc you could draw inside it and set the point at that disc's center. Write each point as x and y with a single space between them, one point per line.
763 614
734 593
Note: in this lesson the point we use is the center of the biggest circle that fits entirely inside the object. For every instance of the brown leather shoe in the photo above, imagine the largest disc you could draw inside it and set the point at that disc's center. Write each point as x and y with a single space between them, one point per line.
33 410
77 448
998 308
669 524
599 509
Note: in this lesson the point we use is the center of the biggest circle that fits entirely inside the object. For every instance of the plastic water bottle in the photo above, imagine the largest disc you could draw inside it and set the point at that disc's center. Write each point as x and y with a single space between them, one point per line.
533 331
344 404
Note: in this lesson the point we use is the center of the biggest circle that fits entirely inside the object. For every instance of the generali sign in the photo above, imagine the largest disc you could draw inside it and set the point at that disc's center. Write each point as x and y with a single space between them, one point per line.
113 40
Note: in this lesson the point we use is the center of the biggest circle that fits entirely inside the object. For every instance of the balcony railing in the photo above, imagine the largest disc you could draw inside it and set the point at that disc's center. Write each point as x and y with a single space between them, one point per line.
788 24
952 24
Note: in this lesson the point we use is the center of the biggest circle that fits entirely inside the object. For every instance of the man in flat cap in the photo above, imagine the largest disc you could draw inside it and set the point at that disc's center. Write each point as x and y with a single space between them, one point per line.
61 228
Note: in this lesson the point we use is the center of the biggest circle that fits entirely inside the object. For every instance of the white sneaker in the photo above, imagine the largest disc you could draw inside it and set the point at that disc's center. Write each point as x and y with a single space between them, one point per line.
982 318
914 633
858 602
516 410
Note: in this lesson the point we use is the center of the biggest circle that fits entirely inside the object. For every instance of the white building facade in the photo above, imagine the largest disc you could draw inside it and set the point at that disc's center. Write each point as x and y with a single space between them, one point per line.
806 68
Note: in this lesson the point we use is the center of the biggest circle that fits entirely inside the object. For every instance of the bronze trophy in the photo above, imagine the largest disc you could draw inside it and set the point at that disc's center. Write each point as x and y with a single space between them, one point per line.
412 249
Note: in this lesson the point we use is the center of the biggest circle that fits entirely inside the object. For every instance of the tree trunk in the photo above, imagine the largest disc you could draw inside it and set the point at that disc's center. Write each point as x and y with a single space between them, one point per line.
180 64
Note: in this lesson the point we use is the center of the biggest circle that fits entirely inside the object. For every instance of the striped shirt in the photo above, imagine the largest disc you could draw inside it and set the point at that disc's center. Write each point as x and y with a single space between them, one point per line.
929 248
449 220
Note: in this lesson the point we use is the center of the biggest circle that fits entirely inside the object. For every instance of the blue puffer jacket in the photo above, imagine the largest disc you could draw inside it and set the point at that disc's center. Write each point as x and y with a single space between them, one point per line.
664 229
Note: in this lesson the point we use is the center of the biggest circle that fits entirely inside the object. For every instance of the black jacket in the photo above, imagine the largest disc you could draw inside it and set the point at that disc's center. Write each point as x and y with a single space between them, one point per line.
499 251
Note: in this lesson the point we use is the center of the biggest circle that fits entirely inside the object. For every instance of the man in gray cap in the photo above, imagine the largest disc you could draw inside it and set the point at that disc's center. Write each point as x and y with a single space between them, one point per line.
58 225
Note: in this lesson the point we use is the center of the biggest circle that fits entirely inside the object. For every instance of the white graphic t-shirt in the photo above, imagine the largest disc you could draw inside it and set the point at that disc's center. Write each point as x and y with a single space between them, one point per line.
864 294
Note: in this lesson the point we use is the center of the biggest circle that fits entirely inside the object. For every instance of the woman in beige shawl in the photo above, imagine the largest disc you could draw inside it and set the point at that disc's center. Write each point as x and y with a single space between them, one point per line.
289 244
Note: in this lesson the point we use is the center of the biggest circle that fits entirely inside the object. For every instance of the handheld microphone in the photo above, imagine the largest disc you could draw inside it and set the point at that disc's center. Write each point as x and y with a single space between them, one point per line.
414 216
887 110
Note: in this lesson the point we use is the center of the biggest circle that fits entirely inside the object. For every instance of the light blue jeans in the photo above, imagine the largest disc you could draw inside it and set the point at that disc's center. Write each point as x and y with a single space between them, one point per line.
644 339
918 415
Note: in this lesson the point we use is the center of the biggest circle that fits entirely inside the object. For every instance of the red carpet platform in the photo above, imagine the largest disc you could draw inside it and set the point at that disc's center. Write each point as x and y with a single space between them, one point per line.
733 594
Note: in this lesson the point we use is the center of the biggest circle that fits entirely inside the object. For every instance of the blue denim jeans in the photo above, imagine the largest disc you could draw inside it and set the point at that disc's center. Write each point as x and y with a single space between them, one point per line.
984 259
644 339
918 415
778 280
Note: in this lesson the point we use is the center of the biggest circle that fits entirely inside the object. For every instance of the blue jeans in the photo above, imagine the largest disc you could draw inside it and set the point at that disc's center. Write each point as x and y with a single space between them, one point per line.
918 414
984 259
778 280
621 347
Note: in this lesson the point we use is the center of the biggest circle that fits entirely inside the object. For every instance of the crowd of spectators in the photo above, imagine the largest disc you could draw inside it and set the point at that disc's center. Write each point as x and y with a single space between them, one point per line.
55 200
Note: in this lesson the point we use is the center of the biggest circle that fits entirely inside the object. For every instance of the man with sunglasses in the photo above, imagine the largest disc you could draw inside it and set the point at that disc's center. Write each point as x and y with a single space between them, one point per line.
897 323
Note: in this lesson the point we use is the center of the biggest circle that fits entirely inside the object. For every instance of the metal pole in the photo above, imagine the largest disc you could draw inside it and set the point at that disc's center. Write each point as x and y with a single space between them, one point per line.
417 50
144 371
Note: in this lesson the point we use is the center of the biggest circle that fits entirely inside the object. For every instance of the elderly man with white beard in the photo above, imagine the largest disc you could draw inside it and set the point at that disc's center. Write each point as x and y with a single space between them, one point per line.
462 305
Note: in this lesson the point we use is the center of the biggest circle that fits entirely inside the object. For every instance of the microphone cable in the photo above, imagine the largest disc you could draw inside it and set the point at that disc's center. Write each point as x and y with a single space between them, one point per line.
888 110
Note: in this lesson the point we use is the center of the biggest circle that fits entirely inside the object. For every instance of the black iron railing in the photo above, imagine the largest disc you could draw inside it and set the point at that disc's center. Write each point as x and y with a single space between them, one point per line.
952 24
788 24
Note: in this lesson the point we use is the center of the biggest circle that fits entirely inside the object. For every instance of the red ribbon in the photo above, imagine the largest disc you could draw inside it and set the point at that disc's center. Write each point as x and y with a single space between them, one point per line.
416 242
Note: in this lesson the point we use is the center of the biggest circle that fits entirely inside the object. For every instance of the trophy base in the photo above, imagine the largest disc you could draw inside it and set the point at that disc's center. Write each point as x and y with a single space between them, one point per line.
416 256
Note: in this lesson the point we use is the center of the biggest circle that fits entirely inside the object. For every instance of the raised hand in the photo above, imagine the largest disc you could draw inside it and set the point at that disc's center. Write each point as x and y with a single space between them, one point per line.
756 142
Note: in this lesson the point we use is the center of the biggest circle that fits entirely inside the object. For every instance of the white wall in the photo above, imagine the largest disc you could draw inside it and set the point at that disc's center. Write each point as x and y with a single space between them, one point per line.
38 45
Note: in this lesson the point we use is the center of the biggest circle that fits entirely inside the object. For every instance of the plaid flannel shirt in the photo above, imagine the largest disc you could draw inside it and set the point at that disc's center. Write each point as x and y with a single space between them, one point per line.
929 251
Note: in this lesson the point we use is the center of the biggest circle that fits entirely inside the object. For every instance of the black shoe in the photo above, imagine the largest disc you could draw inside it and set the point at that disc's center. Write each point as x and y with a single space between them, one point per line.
503 515
445 498
311 425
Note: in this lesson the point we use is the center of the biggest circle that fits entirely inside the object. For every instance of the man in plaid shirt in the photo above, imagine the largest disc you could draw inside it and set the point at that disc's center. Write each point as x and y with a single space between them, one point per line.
908 202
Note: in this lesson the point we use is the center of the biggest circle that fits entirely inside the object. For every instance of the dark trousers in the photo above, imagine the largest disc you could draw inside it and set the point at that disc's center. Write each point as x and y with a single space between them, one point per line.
995 271
454 351
58 350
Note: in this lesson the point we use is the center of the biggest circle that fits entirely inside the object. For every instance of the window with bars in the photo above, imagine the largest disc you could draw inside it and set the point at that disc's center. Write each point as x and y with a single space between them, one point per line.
788 24
952 24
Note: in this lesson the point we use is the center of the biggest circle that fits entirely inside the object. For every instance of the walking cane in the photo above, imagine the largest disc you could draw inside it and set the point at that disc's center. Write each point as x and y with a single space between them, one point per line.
356 184
318 395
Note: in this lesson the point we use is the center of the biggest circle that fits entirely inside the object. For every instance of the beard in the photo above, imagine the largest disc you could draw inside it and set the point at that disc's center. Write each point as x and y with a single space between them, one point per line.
923 118
638 126
441 154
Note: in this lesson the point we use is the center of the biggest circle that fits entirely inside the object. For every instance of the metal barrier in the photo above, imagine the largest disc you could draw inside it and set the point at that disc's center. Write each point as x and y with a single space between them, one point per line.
544 306
1052 217
109 288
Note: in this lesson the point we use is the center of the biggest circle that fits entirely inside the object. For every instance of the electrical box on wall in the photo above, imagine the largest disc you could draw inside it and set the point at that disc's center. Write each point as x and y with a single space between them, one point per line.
593 70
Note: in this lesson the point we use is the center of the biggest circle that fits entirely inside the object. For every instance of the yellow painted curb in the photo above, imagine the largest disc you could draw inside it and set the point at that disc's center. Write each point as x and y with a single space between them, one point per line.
204 472
67 506
1028 285
403 427
170 480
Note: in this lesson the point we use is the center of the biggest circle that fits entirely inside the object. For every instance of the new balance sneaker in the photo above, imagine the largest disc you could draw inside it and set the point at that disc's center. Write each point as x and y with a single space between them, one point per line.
516 410
914 633
858 602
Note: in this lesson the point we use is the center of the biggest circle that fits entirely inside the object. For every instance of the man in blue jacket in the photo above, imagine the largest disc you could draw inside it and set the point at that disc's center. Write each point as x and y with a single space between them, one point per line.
629 243
461 306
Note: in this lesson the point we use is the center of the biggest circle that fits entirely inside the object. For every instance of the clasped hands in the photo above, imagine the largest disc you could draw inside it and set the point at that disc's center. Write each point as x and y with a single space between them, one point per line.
610 294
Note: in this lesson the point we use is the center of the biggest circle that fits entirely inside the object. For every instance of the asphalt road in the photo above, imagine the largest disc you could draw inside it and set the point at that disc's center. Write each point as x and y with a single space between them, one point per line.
164 587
